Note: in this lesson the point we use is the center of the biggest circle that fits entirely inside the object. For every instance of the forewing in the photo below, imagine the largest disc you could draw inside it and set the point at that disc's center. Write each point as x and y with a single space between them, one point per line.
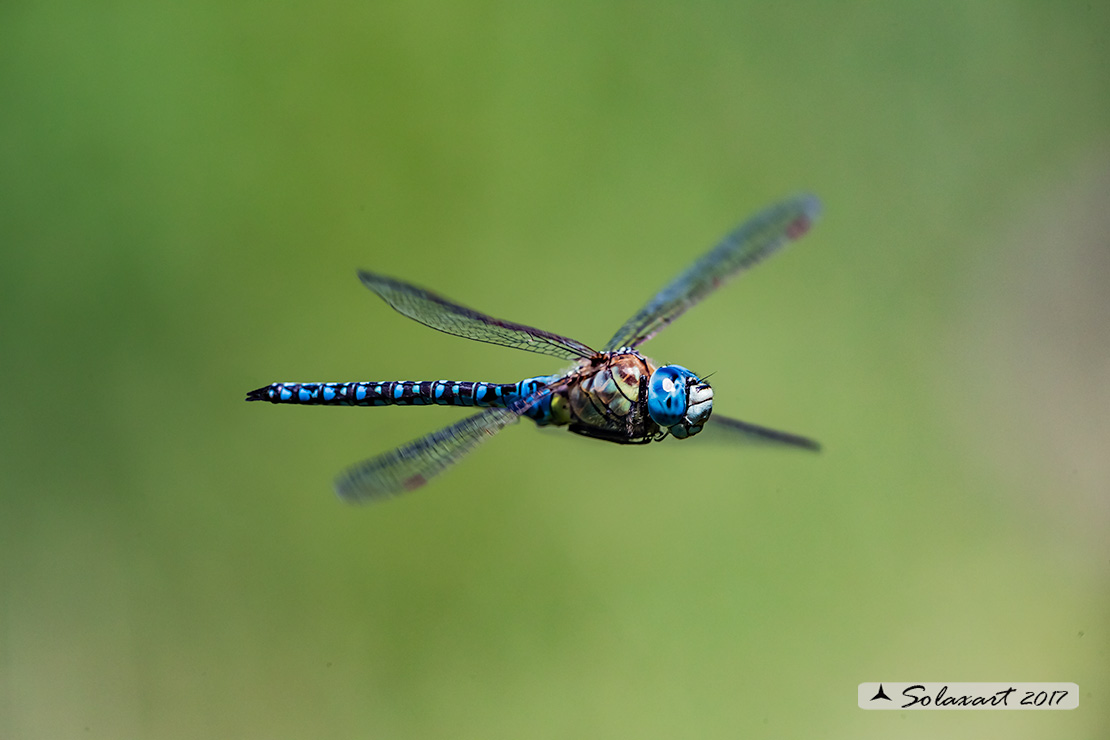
733 430
411 465
439 313
753 240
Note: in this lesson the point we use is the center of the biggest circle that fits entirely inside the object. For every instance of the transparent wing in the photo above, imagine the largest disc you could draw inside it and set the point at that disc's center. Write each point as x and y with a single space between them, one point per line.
439 313
411 465
733 430
753 240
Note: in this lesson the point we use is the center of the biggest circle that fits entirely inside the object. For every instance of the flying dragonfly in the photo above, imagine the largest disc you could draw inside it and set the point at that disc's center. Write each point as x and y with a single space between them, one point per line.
615 394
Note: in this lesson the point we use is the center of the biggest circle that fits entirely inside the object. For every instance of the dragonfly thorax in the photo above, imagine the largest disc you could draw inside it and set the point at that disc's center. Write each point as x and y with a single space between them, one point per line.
678 401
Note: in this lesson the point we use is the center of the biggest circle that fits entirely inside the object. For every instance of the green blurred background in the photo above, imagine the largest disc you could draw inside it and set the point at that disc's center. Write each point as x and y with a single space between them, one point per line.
188 189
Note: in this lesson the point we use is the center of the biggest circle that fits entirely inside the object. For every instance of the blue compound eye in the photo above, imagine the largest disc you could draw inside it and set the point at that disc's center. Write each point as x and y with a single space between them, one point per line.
667 395
678 401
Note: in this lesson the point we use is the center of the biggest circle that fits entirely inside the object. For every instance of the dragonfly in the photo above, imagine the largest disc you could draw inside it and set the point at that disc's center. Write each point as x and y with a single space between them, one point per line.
614 394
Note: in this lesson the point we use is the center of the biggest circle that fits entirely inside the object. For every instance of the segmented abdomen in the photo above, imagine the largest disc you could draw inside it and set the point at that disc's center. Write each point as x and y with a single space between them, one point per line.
389 393
398 393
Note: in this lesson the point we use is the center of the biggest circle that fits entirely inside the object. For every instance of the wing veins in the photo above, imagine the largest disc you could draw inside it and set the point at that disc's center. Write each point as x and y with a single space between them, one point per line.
755 239
438 313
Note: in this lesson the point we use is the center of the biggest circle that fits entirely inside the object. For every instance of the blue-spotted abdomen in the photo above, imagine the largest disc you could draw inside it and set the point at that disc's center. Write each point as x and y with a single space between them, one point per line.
389 393
410 393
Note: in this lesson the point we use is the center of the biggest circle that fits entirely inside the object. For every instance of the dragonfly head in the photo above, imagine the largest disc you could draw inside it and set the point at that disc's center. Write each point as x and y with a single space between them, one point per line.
678 400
